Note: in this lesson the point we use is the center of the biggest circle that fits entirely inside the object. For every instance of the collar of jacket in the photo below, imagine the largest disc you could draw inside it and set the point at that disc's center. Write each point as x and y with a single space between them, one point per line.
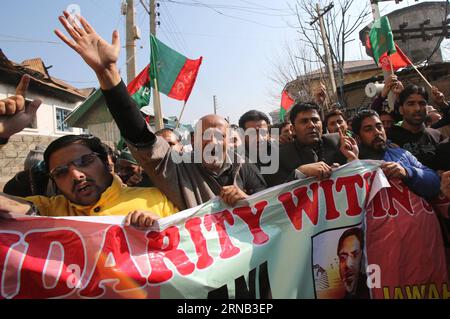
111 194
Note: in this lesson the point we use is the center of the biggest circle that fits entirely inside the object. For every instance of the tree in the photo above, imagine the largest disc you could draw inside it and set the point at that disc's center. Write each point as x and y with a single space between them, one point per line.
297 63
340 24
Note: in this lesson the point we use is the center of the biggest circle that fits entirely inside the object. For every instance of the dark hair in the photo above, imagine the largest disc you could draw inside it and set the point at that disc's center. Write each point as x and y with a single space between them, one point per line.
359 118
110 152
302 107
412 89
355 231
333 112
253 115
90 141
280 125
387 113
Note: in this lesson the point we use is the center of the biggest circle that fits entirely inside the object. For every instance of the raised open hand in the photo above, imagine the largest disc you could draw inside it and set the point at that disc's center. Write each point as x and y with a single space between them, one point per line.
95 51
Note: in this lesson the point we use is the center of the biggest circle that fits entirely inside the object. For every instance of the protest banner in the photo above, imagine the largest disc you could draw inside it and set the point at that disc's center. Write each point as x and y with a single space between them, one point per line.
303 239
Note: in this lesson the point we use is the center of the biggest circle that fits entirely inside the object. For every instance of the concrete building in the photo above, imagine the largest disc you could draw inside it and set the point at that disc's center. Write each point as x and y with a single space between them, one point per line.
302 88
418 30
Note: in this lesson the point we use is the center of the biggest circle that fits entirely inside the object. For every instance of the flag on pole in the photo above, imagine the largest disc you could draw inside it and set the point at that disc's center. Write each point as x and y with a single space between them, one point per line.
381 39
175 74
398 60
286 103
139 88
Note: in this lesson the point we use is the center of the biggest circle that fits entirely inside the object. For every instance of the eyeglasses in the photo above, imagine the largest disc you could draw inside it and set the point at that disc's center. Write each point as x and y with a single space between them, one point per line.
83 161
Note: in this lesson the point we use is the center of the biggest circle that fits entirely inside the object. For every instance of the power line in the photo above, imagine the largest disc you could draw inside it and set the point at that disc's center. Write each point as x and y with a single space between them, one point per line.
258 5
170 29
175 28
200 4
220 36
21 39
232 7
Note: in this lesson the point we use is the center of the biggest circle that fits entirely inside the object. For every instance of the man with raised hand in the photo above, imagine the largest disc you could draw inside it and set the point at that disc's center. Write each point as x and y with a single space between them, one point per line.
15 115
186 183
77 164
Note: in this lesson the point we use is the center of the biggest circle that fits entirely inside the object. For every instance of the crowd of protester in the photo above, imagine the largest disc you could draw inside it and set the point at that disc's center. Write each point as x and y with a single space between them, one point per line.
81 176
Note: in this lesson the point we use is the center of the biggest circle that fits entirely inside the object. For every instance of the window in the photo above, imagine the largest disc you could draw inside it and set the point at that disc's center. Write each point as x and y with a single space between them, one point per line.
61 115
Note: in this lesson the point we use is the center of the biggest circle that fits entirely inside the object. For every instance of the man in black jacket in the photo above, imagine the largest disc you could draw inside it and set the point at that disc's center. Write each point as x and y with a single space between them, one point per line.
413 135
311 153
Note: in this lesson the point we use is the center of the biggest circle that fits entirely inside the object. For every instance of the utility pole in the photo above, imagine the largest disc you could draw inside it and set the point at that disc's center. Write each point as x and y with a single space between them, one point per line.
326 46
386 74
215 103
130 39
159 123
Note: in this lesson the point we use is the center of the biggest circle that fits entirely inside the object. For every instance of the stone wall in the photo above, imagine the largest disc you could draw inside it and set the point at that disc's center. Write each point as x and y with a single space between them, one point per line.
13 154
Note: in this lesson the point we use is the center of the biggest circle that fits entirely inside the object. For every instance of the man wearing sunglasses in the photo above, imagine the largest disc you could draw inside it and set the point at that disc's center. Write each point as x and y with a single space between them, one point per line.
78 166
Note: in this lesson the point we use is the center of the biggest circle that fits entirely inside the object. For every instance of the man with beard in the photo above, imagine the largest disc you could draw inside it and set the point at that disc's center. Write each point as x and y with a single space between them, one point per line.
413 135
77 164
349 251
187 181
311 153
399 163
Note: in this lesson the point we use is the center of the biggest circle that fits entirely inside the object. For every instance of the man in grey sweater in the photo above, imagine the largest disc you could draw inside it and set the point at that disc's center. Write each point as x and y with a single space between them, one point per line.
189 181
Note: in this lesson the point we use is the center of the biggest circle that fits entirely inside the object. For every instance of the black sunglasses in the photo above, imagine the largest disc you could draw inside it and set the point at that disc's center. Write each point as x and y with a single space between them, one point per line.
83 161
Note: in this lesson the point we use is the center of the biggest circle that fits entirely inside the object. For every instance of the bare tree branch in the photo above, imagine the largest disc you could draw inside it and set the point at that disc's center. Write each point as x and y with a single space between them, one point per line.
340 25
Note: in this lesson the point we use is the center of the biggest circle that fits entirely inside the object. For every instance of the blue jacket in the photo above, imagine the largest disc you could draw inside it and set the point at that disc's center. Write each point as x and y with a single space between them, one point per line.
421 180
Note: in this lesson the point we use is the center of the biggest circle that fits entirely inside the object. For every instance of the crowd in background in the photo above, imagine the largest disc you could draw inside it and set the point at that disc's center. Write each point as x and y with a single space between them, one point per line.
79 175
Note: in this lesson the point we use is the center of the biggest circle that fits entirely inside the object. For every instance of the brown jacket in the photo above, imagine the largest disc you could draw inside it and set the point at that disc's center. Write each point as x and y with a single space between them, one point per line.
189 184
186 184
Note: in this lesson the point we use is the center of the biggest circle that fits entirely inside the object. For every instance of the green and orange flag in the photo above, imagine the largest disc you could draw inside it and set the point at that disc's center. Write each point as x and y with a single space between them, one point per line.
381 38
174 73
382 47
286 103
139 88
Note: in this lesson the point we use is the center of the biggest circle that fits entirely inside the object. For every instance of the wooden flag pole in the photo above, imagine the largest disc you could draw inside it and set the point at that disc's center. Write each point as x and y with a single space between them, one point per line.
390 63
414 67
421 75
181 114
159 123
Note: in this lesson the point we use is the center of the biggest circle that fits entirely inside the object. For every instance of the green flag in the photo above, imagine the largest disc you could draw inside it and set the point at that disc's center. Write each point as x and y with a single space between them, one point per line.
175 74
139 88
381 38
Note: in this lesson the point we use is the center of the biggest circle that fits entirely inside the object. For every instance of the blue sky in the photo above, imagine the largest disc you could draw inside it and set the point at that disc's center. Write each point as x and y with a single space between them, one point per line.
239 47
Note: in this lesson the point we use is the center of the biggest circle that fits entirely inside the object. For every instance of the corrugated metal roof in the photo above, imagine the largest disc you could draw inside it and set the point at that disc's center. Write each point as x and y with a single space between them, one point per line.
36 69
